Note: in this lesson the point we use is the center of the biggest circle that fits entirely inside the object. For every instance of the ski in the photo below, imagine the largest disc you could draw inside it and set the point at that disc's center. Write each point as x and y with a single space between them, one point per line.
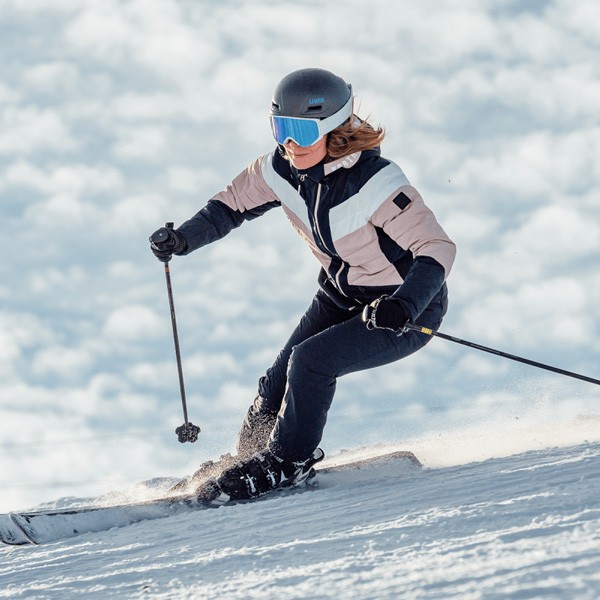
43 526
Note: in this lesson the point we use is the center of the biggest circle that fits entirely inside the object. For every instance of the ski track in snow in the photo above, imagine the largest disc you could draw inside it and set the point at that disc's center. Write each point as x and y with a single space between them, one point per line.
522 526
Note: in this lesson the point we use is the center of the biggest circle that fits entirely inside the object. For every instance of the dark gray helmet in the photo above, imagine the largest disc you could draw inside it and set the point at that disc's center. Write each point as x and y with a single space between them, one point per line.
310 93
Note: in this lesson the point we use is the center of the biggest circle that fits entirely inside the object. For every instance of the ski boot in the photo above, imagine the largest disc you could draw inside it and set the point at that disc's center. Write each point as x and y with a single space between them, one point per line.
260 474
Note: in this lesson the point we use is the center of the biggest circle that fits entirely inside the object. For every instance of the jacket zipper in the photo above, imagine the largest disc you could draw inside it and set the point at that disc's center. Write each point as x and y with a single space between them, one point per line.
316 217
318 234
318 231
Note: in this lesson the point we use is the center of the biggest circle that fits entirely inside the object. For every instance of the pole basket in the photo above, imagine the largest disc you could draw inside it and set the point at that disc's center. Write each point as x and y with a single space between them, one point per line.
188 432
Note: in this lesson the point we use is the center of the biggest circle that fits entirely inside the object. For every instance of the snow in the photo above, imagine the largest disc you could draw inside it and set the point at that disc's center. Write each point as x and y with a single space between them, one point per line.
520 526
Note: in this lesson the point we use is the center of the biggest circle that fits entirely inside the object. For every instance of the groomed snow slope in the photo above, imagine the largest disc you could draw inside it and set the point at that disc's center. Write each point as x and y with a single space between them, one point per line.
522 526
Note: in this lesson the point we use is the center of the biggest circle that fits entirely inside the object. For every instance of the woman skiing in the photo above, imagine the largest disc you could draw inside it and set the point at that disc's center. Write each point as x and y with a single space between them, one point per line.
379 247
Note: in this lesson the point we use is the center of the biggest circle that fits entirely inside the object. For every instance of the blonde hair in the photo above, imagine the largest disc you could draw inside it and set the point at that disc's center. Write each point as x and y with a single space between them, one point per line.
354 135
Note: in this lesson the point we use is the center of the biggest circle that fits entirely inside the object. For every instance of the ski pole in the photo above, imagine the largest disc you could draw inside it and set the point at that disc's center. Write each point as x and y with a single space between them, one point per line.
188 432
533 363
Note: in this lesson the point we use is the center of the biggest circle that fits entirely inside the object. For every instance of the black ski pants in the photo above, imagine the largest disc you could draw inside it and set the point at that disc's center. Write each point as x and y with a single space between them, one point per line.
327 343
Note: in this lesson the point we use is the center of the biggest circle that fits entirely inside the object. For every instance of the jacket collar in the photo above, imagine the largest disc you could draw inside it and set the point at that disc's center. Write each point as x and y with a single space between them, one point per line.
323 169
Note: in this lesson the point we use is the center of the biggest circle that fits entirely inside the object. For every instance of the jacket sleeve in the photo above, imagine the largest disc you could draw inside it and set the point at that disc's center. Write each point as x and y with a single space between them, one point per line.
247 197
422 282
407 220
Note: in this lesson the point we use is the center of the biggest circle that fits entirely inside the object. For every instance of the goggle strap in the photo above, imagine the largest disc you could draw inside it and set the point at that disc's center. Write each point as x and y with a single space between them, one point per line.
329 123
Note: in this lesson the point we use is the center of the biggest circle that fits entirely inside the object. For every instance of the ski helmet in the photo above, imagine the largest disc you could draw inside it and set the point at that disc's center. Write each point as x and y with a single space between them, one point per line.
307 104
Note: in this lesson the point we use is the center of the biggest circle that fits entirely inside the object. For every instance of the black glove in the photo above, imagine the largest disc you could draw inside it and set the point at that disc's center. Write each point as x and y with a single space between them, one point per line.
165 242
386 313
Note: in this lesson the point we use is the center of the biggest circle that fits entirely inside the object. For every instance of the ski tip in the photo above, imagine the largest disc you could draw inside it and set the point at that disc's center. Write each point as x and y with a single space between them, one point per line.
410 456
11 533
339 463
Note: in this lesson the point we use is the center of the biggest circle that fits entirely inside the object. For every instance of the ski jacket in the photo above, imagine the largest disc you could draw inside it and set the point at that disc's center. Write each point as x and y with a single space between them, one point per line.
361 218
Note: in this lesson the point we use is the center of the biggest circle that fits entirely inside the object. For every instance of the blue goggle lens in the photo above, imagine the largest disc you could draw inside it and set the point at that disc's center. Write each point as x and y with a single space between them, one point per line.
305 132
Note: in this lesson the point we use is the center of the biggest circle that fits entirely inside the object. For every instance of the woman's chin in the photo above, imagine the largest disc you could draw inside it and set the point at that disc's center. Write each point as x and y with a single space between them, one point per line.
303 162
306 157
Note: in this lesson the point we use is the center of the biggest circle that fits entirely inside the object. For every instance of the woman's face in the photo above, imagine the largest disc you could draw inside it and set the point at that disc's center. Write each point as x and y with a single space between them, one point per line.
306 157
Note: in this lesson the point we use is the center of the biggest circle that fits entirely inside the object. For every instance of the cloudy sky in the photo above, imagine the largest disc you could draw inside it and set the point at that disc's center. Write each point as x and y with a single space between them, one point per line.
116 116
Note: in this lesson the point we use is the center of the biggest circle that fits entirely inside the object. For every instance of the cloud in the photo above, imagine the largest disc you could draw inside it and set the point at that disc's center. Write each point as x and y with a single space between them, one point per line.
145 144
52 78
27 130
75 179
57 362
20 333
573 235
150 34
134 323
532 315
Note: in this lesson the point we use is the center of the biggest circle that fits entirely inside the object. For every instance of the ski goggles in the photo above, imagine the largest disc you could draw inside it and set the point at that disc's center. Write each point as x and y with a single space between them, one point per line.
306 132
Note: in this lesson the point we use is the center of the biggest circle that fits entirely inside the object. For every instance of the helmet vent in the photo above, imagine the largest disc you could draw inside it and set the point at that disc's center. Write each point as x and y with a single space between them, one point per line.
313 108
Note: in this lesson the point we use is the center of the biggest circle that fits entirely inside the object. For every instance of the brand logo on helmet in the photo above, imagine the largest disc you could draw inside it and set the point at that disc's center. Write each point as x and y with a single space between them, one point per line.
316 100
